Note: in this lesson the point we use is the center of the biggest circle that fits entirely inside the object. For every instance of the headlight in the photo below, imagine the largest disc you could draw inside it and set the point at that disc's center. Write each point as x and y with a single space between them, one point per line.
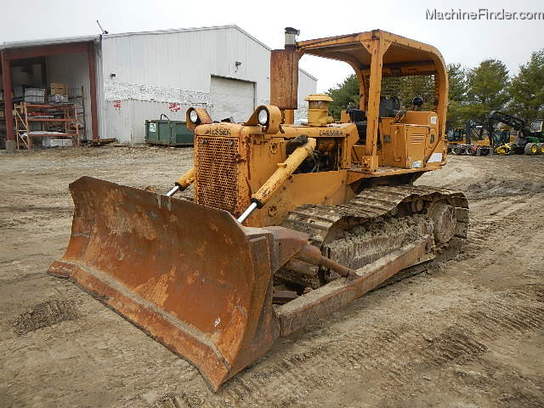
193 116
263 117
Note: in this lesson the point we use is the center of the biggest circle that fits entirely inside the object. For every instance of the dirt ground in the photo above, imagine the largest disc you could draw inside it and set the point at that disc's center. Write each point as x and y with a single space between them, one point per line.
466 333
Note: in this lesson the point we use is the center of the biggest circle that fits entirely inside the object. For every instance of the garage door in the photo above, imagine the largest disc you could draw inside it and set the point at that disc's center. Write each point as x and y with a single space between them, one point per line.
231 97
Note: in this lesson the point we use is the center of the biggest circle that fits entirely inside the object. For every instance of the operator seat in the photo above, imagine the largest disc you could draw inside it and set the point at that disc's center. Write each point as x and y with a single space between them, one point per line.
358 117
389 106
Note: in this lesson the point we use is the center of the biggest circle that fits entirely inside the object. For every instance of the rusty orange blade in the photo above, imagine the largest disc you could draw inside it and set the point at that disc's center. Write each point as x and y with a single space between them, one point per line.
190 276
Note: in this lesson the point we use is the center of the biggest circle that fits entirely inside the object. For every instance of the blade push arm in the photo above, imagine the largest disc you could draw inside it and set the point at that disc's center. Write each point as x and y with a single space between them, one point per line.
279 177
183 182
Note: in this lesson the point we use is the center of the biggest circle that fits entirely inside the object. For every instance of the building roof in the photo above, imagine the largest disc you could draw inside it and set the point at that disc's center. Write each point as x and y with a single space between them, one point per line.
183 30
67 40
48 41
193 29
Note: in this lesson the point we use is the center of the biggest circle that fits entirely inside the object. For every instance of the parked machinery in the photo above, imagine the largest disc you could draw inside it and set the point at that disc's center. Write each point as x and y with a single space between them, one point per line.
475 139
288 223
530 138
479 138
456 140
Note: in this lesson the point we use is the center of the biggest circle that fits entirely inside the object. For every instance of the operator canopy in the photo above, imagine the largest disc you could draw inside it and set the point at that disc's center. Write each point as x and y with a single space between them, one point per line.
403 56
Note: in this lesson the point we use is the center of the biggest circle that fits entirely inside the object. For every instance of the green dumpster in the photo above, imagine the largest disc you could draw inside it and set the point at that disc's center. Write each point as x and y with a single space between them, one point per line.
167 132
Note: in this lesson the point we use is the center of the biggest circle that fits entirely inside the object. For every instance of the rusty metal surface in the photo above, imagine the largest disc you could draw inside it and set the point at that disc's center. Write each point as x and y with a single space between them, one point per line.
7 94
322 302
190 276
284 78
196 280
312 255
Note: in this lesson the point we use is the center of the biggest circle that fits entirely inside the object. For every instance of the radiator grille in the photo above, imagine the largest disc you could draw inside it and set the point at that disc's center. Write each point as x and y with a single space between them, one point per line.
217 173
417 138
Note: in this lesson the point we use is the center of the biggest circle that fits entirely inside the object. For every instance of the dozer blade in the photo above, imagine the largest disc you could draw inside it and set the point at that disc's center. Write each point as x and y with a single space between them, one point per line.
190 276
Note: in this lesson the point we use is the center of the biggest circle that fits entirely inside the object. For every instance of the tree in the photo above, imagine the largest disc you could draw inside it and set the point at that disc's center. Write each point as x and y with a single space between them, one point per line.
457 95
457 83
344 95
527 89
408 87
488 86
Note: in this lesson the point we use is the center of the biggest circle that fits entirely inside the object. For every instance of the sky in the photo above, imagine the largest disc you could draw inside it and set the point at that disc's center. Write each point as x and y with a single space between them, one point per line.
465 42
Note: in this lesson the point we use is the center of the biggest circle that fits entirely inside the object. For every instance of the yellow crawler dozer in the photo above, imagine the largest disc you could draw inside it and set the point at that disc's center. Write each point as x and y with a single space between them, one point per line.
288 222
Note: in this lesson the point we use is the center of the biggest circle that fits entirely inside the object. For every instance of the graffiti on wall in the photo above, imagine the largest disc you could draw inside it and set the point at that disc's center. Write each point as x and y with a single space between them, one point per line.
115 90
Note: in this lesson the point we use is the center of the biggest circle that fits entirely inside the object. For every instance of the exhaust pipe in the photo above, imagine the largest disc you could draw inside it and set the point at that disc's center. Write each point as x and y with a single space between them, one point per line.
284 76
291 37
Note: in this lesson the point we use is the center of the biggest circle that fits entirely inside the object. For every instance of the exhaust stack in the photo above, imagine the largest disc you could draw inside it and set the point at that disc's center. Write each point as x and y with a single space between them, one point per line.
291 37
284 76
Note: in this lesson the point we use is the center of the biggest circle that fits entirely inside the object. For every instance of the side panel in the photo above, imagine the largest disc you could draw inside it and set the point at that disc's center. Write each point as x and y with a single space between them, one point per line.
413 143
394 146
405 147
416 139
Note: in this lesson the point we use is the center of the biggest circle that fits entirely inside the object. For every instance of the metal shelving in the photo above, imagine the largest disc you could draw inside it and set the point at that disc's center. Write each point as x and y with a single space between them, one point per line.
59 121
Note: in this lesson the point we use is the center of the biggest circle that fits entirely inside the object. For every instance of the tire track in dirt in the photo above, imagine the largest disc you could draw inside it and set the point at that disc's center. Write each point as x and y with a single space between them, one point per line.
464 339
361 353
367 350
494 219
45 314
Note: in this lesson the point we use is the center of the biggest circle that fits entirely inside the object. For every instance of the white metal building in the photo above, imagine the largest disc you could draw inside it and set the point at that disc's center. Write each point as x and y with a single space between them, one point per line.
142 75
145 74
